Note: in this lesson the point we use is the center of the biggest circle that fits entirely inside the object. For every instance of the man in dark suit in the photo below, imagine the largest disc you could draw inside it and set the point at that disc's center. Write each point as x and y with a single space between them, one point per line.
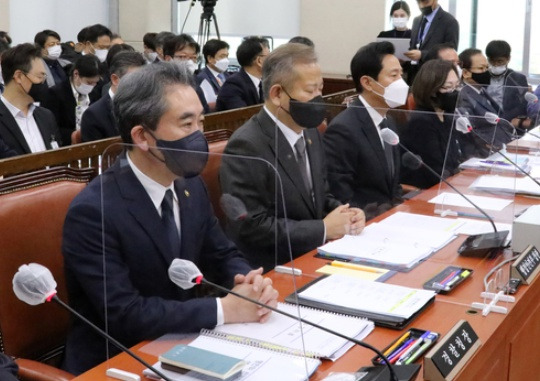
98 120
214 75
301 213
24 127
362 169
245 87
435 26
8 368
507 87
474 102
148 209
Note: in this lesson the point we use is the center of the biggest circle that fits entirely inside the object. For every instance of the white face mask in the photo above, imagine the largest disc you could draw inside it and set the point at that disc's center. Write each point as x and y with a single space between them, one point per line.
395 94
400 22
222 65
84 88
151 57
101 54
459 71
191 66
53 52
498 70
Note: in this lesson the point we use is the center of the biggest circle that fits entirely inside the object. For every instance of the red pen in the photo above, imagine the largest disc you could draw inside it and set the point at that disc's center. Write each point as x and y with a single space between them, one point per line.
449 277
396 357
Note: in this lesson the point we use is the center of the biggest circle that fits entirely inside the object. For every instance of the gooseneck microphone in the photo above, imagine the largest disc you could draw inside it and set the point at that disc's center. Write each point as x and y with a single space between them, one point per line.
34 284
466 128
494 119
185 274
474 245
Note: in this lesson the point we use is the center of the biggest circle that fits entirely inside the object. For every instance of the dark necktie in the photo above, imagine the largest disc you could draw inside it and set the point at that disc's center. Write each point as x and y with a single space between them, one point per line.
300 147
221 79
167 217
419 38
261 97
388 150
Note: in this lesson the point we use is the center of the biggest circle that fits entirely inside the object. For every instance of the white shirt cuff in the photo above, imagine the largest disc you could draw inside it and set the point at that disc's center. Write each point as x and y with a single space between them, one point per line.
220 317
324 236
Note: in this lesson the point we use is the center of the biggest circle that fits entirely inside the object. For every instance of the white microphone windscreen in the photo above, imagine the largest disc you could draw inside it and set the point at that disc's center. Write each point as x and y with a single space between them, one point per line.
389 136
491 117
462 125
183 273
531 97
33 284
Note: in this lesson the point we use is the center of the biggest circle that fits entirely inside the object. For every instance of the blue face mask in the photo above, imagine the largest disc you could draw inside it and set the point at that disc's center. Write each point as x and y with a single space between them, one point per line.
185 157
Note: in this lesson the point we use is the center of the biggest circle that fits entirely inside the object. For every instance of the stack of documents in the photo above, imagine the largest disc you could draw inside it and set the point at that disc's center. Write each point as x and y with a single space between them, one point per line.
385 304
401 240
506 184
498 163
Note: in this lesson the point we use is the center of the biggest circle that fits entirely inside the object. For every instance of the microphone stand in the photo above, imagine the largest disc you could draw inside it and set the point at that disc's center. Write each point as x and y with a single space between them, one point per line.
201 279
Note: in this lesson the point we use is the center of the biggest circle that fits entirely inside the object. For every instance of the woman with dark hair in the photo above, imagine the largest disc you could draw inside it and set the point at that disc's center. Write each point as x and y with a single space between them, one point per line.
400 14
69 99
429 131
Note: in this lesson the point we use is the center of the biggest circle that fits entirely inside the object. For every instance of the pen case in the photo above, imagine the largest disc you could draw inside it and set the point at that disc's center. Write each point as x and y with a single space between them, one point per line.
413 333
440 282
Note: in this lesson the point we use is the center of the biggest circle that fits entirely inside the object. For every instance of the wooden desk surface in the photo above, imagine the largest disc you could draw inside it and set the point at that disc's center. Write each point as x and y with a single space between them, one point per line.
510 343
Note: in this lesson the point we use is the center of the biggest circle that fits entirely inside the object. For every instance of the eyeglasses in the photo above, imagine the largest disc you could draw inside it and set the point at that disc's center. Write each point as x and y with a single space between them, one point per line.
41 78
448 89
183 57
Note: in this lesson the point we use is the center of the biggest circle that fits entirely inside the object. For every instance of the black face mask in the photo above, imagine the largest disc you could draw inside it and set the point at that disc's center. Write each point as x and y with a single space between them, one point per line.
448 101
482 78
177 158
308 114
38 91
426 11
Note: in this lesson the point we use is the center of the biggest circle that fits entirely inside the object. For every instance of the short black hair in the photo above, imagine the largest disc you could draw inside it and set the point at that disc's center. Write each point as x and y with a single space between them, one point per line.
302 40
149 40
368 61
88 66
249 49
122 61
433 53
115 49
81 36
400 5
212 47
96 31
161 37
497 49
41 37
19 57
6 37
177 43
465 57
3 47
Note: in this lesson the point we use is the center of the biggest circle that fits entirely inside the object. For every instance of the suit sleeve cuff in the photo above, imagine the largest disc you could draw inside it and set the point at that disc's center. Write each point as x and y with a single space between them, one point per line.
324 234
220 318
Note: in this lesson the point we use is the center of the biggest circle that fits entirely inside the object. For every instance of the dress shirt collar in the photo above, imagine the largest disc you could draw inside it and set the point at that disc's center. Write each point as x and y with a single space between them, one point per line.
15 111
255 80
432 15
477 90
111 93
373 113
155 190
291 136
214 73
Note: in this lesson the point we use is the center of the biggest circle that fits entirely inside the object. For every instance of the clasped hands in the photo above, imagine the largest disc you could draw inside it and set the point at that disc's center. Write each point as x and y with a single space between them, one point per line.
344 220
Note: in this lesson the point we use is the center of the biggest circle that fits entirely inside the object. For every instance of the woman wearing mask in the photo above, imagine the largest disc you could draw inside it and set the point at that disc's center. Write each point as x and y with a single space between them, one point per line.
399 13
69 99
429 132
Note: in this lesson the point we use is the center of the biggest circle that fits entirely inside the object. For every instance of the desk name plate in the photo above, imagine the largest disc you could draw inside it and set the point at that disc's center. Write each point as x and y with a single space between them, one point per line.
527 266
447 358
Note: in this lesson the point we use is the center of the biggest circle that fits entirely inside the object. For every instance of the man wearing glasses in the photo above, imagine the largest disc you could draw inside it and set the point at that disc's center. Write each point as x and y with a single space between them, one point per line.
245 87
25 127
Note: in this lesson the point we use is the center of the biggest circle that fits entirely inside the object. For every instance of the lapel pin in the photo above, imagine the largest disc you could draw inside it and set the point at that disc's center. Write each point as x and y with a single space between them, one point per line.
309 141
186 192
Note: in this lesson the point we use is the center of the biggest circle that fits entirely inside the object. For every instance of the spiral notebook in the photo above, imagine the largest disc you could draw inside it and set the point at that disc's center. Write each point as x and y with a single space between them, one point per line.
262 364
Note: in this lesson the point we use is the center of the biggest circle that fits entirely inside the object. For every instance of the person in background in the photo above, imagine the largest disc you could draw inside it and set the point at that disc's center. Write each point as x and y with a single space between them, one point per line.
533 109
98 120
51 49
149 45
106 74
116 39
507 87
302 40
429 131
3 47
183 48
25 127
244 88
69 99
363 170
400 14
97 41
214 75
5 37
159 42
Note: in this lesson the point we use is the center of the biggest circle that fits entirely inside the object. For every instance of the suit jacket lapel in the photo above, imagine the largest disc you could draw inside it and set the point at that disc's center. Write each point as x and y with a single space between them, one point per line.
11 124
44 129
314 149
434 23
253 91
212 79
141 207
110 116
286 157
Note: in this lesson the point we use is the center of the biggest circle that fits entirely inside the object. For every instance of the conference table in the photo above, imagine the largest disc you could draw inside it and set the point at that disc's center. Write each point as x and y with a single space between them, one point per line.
510 344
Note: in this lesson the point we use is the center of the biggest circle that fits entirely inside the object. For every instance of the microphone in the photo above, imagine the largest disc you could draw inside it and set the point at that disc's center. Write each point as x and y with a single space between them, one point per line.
478 245
531 97
233 207
185 274
466 130
34 284
494 119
